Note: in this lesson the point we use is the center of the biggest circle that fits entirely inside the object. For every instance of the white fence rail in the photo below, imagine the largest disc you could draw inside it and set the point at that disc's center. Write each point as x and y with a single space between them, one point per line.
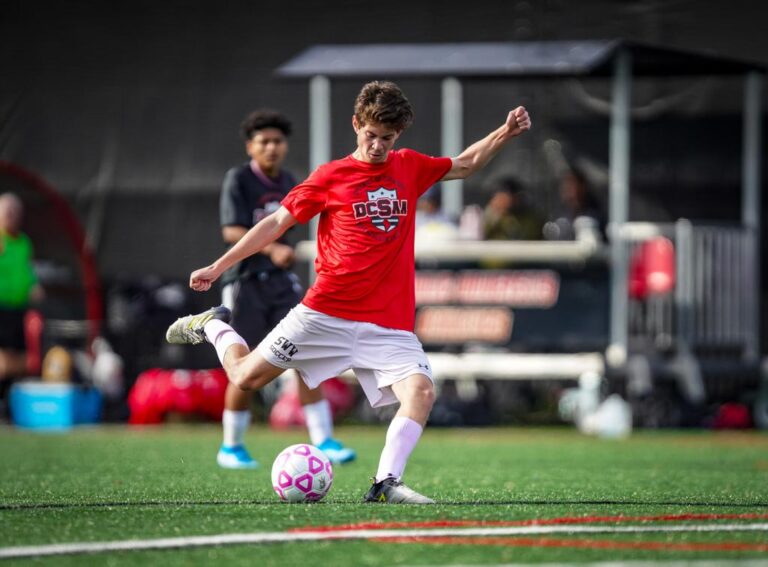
712 307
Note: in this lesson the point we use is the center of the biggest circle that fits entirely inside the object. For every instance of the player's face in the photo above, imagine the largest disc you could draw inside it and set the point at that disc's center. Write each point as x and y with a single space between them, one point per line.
268 148
374 141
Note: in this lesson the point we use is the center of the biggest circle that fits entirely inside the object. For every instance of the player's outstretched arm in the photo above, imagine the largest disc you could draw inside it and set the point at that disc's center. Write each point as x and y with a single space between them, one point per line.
266 231
480 153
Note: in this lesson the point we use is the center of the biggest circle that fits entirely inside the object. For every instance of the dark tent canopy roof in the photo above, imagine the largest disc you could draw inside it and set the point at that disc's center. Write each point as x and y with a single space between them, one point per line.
503 59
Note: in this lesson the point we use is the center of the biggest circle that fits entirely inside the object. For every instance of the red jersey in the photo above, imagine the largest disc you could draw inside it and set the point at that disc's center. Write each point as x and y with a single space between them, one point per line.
365 238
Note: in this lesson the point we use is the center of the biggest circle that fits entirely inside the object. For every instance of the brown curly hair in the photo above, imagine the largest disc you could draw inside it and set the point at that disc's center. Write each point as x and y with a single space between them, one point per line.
382 102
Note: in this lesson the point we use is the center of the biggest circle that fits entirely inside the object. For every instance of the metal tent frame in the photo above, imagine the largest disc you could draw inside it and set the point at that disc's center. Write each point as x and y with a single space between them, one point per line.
618 60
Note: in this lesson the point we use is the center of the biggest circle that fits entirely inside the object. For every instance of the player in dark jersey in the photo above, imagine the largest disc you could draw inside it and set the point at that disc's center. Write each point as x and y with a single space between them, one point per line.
261 289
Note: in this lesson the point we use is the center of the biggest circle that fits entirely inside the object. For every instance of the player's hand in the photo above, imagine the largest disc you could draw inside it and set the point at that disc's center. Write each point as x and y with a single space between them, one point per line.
202 279
282 255
518 121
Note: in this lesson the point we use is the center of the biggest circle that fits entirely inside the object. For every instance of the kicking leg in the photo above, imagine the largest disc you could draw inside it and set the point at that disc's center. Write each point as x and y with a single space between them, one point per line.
246 370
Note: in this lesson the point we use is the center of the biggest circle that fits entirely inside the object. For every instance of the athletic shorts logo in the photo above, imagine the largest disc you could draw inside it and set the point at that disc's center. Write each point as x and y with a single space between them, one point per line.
383 208
283 349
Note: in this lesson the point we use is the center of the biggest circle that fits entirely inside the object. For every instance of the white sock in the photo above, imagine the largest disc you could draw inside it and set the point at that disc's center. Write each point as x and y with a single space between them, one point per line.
319 420
402 436
235 424
222 336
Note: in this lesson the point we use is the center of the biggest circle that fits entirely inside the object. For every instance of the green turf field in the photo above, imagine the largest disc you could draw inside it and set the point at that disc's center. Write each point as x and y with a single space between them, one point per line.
118 483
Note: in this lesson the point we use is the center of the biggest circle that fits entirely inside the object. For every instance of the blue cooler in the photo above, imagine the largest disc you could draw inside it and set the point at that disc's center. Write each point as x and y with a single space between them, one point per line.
53 406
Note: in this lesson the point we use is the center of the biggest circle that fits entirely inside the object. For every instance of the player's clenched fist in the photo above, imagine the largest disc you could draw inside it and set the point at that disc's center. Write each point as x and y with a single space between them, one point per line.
202 279
518 121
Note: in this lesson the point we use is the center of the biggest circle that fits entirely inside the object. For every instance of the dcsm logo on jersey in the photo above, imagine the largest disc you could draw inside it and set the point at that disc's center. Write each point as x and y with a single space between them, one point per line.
283 349
383 207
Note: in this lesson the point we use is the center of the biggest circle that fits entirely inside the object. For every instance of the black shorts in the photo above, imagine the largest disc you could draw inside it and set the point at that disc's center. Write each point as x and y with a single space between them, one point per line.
12 329
261 301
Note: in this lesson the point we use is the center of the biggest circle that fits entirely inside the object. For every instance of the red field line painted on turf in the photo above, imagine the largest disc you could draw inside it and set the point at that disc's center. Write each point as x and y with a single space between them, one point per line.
375 535
566 520
582 543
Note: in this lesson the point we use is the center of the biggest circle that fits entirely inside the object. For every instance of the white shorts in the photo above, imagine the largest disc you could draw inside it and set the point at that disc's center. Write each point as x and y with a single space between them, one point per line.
319 347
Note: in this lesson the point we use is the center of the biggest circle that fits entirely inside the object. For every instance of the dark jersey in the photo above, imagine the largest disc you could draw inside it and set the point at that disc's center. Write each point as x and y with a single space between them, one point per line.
246 198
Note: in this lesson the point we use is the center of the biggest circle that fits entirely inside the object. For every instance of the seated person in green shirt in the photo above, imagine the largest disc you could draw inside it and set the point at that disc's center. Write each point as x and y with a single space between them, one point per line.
18 286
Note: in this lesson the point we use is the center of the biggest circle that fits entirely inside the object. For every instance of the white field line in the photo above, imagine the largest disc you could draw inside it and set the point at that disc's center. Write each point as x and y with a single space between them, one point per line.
282 537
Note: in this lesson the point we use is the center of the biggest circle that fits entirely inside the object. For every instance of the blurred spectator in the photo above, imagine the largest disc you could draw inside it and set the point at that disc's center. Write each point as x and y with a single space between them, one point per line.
18 286
509 216
579 216
431 222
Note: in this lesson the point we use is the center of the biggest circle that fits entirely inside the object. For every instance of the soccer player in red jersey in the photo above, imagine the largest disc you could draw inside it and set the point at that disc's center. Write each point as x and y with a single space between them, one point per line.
359 313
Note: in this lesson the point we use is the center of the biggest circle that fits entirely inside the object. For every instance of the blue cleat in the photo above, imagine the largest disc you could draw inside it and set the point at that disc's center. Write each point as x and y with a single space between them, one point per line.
337 453
236 457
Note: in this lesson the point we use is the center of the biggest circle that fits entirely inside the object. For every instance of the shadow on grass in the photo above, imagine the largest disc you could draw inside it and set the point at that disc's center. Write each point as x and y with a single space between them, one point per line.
188 503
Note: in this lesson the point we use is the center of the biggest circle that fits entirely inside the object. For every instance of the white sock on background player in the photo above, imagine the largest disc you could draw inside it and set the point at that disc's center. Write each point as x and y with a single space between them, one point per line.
319 420
235 424
222 336
402 436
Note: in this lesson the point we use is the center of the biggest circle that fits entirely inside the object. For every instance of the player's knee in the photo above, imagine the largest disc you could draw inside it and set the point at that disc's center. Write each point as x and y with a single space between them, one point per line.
243 379
423 393
239 379
429 395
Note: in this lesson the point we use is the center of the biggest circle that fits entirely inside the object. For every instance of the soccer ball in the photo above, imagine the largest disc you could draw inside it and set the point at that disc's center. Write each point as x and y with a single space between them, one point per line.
302 473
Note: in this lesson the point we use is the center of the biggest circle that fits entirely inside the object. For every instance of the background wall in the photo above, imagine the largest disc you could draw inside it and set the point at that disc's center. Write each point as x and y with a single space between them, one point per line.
131 109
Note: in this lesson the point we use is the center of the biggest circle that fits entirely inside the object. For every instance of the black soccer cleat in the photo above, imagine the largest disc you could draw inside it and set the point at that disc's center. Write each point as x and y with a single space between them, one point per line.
393 491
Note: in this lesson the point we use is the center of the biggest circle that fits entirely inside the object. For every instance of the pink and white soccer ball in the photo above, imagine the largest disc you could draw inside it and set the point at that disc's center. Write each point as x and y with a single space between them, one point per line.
302 473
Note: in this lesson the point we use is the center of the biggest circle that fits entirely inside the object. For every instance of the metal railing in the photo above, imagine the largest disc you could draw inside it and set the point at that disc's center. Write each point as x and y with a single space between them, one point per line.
712 306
